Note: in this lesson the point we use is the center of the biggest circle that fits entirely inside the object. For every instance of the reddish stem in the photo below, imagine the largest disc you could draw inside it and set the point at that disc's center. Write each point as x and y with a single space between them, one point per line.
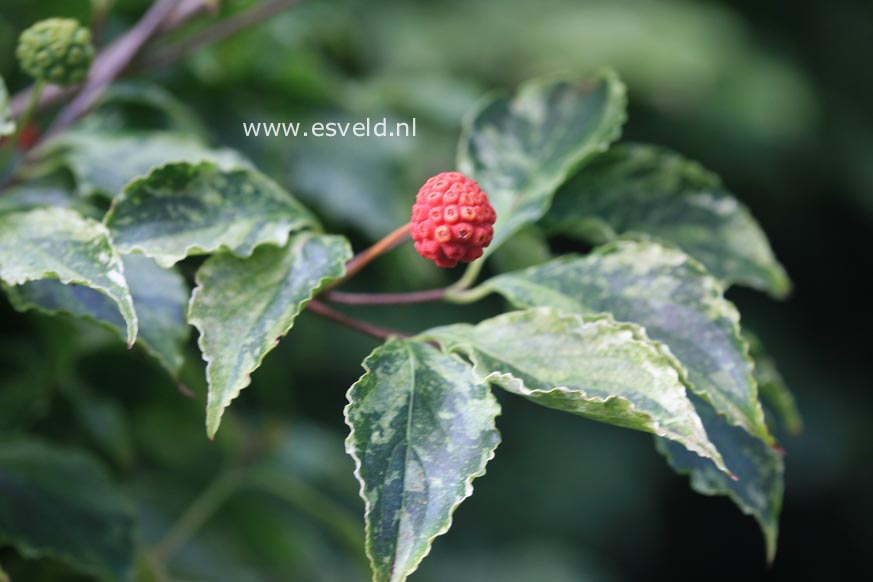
363 258
380 333
385 298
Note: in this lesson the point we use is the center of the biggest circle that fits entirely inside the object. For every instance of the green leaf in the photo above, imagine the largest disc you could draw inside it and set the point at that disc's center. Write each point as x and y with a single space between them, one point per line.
149 107
757 489
672 297
645 191
775 394
422 428
520 149
594 367
103 163
526 248
56 243
7 125
184 209
4 577
61 504
35 194
160 298
242 307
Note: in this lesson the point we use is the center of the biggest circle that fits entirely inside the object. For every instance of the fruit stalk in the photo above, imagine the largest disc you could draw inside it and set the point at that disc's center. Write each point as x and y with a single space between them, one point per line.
366 256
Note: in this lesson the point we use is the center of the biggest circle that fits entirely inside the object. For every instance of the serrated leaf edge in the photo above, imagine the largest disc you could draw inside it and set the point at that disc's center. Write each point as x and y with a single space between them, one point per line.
22 305
352 452
775 282
639 335
125 307
212 425
305 223
616 88
715 300
770 537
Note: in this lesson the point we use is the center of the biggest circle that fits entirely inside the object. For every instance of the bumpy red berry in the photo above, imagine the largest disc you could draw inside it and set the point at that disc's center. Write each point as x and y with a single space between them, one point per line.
452 220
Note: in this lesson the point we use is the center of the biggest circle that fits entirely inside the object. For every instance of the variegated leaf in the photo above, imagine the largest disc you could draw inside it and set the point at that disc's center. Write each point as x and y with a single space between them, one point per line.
57 243
645 191
672 297
422 428
758 486
520 149
594 367
103 162
242 307
160 297
184 209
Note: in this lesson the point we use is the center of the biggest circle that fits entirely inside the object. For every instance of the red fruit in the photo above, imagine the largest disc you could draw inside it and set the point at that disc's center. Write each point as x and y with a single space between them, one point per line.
452 220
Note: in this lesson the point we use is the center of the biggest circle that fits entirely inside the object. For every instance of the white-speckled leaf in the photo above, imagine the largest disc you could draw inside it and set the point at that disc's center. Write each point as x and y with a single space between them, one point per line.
520 149
57 243
594 367
160 297
184 209
422 428
645 191
7 126
757 489
102 163
242 307
672 297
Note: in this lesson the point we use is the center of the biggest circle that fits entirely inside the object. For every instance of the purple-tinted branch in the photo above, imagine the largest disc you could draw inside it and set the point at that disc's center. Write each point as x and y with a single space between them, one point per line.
369 329
111 62
216 33
385 298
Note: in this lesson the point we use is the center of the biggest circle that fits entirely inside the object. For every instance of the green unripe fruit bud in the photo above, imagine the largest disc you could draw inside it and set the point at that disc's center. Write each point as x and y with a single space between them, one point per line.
57 50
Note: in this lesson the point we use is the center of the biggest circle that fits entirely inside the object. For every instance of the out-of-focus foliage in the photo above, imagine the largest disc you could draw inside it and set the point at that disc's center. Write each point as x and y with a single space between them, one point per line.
771 97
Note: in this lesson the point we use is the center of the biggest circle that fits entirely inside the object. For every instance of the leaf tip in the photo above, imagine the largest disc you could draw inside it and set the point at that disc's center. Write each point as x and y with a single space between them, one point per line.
132 326
213 421
770 542
781 286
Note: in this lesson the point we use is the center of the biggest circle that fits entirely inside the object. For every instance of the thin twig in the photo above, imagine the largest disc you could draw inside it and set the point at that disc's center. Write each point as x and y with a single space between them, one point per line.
186 11
111 62
385 298
182 13
369 329
366 256
220 31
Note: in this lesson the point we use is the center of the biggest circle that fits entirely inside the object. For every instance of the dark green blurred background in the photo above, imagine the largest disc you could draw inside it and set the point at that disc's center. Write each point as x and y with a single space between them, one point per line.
774 96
